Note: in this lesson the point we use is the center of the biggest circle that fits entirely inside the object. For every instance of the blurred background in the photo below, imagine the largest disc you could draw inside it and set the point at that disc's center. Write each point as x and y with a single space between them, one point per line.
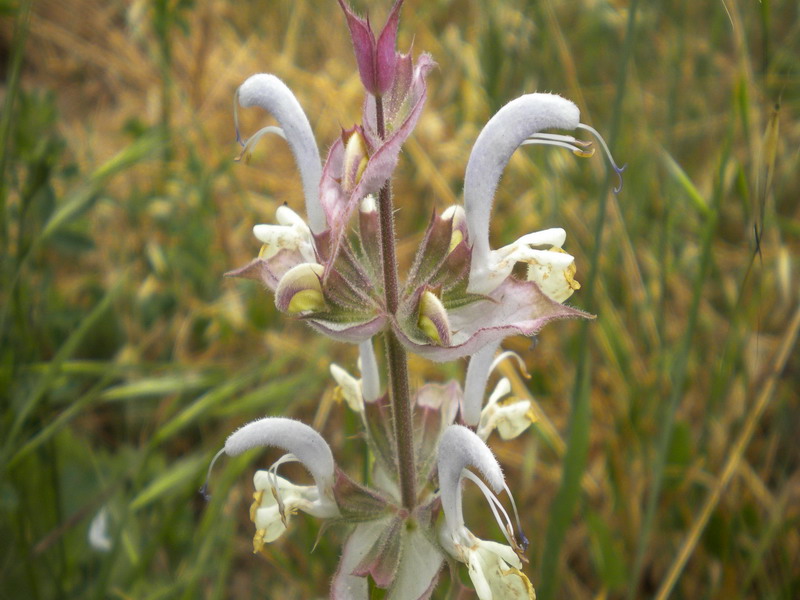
665 461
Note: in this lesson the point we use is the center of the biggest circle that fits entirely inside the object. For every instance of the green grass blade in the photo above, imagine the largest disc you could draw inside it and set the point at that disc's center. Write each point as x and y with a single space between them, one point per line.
54 368
11 88
677 378
568 494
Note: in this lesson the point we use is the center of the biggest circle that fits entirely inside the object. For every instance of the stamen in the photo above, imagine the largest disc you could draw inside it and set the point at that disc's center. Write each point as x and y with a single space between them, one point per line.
577 147
286 458
236 117
204 488
523 539
506 355
559 138
617 170
247 147
273 472
494 504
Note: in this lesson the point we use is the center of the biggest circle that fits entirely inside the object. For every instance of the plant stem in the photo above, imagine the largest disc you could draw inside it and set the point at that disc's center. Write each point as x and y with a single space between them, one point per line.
396 359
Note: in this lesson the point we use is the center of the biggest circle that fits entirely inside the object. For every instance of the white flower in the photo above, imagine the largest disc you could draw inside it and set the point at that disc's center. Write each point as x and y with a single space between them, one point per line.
356 391
350 388
277 499
495 569
291 233
99 539
481 366
510 418
519 123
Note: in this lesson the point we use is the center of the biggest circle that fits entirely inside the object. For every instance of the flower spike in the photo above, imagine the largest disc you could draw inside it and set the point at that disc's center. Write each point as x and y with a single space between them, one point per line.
271 94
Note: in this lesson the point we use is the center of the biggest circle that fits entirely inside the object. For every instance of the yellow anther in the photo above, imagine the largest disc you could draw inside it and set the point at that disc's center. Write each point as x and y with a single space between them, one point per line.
569 272
584 153
257 497
258 540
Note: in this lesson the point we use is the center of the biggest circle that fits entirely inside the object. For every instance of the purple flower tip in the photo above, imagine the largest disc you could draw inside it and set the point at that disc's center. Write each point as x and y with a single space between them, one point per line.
377 59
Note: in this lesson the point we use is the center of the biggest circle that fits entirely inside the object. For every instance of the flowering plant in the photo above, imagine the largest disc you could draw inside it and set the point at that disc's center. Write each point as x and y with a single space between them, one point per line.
460 298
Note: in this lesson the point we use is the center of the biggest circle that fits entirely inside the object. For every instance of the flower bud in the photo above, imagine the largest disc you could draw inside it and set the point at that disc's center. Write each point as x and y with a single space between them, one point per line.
432 319
457 215
377 59
356 157
300 290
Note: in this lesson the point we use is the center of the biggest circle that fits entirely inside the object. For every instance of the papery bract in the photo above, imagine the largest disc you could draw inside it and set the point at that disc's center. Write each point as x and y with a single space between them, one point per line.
377 59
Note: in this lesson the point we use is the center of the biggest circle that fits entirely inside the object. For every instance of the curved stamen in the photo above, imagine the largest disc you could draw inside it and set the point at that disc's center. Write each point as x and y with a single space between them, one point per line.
570 139
250 143
236 117
273 477
574 149
578 147
494 503
523 539
617 170
505 356
204 488
460 448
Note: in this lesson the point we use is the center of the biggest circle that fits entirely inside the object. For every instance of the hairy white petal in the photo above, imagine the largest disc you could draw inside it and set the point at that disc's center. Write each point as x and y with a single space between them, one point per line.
494 568
460 448
502 135
99 539
292 233
272 517
271 94
475 382
292 436
370 377
501 262
350 386
547 238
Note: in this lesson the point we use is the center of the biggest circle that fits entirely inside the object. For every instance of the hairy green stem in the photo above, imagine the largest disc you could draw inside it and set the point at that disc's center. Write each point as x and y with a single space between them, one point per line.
396 359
